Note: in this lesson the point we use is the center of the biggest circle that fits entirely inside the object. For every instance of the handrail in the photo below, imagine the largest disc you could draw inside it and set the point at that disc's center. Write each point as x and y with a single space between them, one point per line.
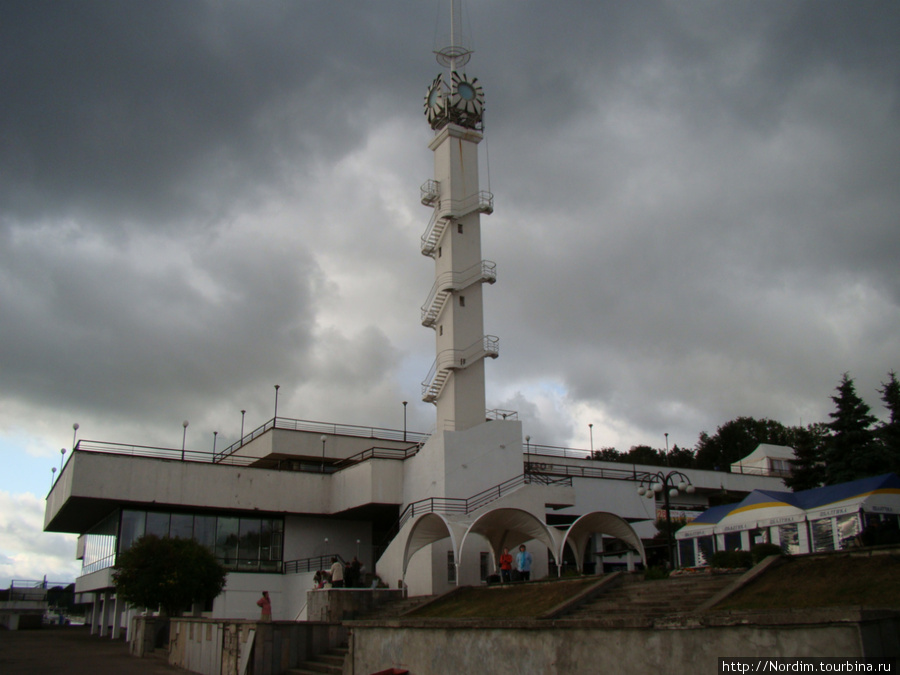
379 453
376 433
486 270
475 502
314 564
489 345
102 447
482 201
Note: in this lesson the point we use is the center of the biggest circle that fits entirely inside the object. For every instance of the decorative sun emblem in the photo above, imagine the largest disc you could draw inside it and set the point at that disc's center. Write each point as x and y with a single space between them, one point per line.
467 98
436 102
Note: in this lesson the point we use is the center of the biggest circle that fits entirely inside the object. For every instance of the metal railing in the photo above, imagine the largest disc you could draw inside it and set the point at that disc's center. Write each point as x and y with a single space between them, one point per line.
475 502
487 346
485 271
321 562
281 464
375 433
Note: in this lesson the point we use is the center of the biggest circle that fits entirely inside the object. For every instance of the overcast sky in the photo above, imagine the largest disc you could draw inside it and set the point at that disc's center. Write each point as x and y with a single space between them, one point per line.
697 216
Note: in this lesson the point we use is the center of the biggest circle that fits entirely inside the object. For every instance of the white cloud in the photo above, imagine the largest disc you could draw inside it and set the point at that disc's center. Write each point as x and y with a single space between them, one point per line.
28 553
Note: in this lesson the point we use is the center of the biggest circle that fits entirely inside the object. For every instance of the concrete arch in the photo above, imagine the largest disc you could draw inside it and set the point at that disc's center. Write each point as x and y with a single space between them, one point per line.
510 527
599 522
428 529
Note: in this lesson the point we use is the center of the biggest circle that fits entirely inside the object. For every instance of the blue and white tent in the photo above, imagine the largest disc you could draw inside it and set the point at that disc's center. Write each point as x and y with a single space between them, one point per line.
820 519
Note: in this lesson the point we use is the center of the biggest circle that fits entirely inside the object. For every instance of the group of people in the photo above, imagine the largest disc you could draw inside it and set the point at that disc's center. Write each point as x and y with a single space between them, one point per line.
520 565
339 576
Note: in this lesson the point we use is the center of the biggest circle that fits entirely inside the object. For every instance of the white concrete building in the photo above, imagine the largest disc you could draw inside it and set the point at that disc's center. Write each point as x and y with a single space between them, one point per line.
279 503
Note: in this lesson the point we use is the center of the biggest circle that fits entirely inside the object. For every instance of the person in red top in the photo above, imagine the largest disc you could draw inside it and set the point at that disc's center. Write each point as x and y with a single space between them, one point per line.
506 561
266 606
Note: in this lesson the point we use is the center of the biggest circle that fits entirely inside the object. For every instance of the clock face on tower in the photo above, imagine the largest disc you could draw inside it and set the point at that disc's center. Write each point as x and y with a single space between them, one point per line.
467 97
435 102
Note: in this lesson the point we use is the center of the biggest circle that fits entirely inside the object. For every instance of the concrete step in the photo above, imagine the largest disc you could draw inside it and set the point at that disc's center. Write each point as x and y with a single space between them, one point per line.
330 663
634 597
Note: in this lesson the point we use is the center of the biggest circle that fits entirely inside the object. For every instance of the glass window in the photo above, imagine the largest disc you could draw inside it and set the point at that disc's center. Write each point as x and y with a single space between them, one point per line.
132 528
100 545
205 531
848 530
823 534
686 553
227 531
732 541
789 538
248 543
181 526
158 524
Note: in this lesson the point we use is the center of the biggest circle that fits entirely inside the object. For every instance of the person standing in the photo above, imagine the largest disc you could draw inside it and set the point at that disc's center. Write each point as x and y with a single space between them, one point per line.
506 561
337 573
266 605
523 564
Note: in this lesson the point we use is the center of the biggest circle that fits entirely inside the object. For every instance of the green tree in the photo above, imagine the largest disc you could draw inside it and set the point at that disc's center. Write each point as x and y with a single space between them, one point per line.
736 439
170 573
851 448
809 447
889 432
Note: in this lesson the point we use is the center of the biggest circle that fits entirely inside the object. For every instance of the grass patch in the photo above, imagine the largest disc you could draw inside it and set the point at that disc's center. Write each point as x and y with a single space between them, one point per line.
829 581
510 601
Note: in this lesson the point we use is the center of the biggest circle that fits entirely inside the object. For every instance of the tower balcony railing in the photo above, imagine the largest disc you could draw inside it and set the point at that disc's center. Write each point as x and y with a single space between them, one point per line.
485 271
430 192
453 359
444 209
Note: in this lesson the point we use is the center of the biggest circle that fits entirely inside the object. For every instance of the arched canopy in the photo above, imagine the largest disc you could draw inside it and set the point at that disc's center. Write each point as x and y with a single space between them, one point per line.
599 522
429 528
510 527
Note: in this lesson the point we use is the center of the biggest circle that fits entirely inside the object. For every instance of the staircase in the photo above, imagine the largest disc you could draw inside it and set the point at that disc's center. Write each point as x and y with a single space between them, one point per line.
634 597
331 661
397 608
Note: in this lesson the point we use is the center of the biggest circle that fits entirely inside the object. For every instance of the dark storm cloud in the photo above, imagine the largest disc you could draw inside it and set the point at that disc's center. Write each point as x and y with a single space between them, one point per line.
147 111
696 207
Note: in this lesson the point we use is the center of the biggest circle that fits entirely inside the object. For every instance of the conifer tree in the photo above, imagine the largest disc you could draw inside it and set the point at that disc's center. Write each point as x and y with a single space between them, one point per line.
889 432
808 467
851 449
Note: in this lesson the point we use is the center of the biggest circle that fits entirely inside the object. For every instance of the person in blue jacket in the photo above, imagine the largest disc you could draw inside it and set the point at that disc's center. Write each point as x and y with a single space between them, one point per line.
523 564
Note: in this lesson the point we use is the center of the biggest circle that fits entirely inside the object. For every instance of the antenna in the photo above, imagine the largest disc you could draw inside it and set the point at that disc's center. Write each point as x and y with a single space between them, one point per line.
453 55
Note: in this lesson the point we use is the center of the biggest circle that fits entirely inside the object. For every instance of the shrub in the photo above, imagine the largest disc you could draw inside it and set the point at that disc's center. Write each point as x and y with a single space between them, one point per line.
762 551
731 559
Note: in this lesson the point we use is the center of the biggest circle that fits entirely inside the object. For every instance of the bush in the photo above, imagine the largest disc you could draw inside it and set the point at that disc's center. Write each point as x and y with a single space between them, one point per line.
762 551
731 559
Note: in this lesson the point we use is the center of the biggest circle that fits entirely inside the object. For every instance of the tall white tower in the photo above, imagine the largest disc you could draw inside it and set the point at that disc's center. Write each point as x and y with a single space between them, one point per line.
454 107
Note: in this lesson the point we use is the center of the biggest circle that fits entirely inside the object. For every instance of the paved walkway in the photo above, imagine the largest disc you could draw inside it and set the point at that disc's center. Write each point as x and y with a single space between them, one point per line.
72 651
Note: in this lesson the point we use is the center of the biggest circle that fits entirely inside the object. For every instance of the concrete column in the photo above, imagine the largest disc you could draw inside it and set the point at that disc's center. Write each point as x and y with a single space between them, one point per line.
118 608
104 615
95 614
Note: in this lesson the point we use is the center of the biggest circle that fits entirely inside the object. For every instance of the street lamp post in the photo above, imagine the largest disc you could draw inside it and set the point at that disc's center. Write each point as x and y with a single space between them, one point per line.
62 458
323 438
670 484
527 455
275 417
591 427
75 428
404 420
183 438
243 412
667 447
215 436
